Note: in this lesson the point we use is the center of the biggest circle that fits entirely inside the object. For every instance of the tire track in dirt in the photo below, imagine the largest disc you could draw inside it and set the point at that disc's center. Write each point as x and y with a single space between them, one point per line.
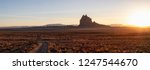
41 48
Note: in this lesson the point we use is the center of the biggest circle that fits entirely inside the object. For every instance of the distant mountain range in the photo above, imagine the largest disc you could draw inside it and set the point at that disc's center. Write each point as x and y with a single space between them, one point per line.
57 24
48 25
85 22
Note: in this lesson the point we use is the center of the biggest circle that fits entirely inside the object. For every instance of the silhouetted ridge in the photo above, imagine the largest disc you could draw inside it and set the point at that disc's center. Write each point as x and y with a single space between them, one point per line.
86 21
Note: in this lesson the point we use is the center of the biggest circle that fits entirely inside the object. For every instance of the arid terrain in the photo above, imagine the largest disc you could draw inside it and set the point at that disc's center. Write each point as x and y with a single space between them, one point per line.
76 40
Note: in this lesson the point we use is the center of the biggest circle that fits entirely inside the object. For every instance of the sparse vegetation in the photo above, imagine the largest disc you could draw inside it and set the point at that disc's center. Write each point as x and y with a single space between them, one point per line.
102 40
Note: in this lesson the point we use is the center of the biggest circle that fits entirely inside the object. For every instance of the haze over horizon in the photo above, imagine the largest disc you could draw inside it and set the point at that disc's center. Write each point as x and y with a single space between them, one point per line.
69 12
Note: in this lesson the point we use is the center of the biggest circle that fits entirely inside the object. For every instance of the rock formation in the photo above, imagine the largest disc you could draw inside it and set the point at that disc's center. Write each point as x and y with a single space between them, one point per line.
86 21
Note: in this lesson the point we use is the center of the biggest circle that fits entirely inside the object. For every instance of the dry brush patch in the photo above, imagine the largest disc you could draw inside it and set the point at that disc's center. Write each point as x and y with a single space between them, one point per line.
78 41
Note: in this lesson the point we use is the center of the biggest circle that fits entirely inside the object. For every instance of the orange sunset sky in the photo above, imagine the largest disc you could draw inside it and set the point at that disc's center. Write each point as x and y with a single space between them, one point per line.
69 12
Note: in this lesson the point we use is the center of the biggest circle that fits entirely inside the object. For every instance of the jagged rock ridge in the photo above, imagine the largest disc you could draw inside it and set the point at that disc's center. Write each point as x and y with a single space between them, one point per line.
86 21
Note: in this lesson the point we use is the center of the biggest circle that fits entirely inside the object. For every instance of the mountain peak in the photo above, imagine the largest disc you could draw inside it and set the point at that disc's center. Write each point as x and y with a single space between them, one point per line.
86 21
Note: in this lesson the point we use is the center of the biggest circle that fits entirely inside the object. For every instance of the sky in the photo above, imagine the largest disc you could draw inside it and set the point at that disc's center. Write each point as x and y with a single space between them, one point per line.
69 12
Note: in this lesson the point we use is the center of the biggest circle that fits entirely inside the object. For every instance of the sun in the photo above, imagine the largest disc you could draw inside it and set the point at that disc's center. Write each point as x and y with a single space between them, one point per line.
139 18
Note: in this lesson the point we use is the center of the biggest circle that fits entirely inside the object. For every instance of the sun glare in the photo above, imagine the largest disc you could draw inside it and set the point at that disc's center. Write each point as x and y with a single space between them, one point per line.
139 18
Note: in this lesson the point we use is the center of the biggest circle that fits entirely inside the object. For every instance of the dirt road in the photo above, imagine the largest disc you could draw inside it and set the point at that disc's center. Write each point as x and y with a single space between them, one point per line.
42 48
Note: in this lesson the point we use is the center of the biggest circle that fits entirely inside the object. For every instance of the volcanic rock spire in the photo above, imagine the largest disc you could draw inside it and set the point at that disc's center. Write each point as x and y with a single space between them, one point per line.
86 21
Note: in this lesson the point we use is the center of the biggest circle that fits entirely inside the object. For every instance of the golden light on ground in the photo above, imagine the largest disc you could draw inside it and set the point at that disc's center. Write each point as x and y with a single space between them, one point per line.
139 18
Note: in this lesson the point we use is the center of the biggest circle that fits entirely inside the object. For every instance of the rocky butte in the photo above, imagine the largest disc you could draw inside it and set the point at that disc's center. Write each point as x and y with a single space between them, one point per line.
86 21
